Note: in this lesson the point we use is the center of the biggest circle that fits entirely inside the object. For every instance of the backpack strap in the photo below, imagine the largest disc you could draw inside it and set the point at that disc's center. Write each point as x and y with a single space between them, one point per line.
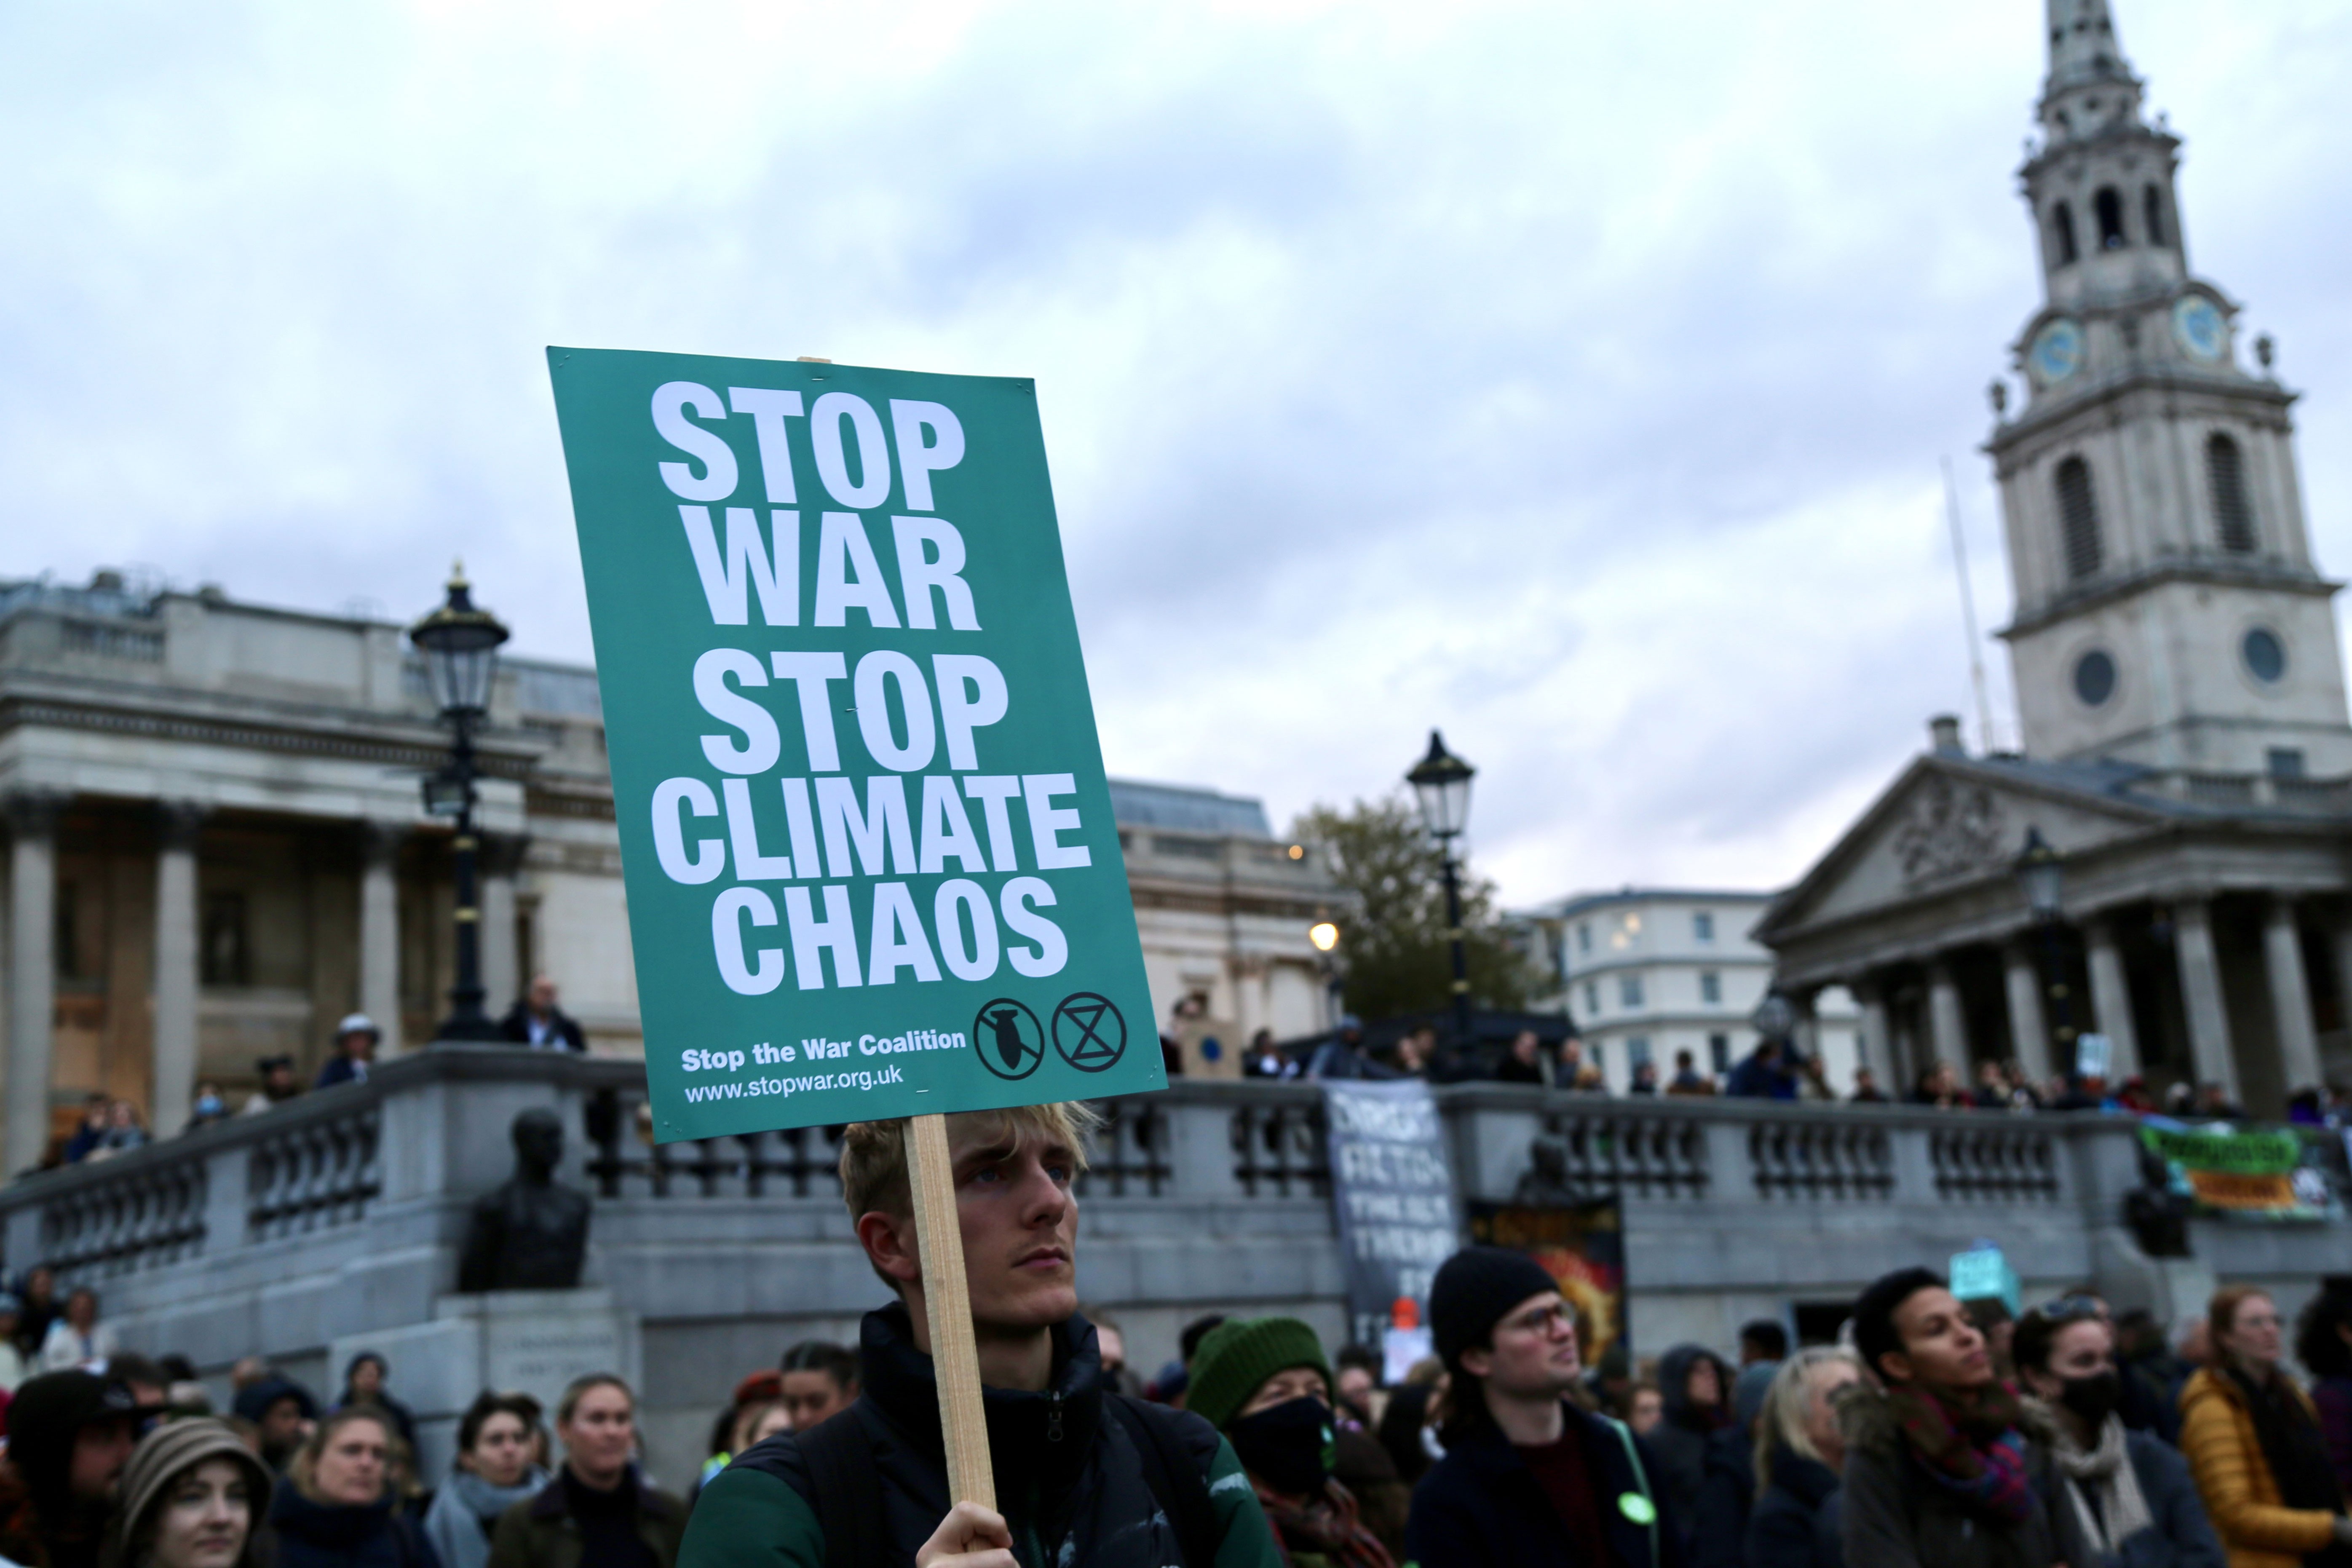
846 1490
1640 1479
1175 1478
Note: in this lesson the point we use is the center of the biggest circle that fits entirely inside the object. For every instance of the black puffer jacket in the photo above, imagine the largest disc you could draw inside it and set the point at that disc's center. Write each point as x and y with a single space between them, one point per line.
1070 1481
1899 1516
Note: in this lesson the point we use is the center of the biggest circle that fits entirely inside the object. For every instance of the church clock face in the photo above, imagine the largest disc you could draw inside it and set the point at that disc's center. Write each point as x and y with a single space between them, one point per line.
2057 351
2199 327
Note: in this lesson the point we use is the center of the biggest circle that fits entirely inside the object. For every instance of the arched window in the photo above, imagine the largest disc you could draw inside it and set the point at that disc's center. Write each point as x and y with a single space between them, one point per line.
2078 519
2225 470
2152 211
2061 222
2110 208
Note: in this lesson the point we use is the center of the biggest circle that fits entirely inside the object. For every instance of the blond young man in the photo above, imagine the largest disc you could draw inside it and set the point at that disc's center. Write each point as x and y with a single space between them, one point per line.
1082 1474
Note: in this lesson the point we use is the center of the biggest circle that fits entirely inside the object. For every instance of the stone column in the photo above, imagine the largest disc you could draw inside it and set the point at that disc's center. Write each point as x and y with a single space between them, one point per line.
2111 1001
2028 1032
177 823
2200 995
1948 1026
2298 1035
502 977
1878 1038
32 971
380 931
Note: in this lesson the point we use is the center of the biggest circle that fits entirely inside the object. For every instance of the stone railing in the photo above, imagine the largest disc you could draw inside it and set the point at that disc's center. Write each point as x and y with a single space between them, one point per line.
430 1129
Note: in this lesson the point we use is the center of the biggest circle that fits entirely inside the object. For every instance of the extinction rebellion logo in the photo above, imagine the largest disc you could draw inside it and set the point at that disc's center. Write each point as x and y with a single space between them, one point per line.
1088 1034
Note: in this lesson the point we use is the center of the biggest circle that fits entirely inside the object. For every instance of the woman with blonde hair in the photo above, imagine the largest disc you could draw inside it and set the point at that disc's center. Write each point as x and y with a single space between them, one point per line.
340 1508
191 1495
2252 1440
1800 1451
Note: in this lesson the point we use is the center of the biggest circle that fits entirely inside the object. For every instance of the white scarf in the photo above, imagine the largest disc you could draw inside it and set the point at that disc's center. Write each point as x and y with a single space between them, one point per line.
2107 1471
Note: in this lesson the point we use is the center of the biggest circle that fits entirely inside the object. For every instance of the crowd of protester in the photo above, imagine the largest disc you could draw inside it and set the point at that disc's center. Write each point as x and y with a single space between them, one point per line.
111 1126
1933 1431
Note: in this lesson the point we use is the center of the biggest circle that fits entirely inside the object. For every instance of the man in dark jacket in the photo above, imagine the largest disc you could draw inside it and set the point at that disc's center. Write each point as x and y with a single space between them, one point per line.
1695 1386
537 1022
1527 1478
69 1435
356 1038
1946 1469
1081 1476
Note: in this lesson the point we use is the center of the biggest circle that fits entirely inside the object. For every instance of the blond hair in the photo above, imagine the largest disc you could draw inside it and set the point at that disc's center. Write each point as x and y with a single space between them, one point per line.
874 1154
1780 1424
303 1469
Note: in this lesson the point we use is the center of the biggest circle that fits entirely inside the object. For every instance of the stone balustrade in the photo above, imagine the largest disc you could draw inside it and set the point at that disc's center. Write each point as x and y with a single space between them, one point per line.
334 1221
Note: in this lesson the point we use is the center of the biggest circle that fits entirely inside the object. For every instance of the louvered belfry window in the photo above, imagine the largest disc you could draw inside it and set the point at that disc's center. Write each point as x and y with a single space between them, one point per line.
2078 519
2225 469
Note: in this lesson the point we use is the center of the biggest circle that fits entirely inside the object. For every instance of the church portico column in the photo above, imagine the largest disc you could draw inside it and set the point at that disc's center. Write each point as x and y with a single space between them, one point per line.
2298 1035
380 929
32 971
2029 1036
1948 1030
2111 1001
502 980
2200 996
178 824
1877 1037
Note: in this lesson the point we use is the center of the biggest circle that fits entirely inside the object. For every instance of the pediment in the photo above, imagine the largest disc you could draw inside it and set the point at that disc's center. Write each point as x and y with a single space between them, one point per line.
1946 822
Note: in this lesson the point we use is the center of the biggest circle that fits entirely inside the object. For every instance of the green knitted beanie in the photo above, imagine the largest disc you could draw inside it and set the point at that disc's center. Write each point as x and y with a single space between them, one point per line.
1241 1353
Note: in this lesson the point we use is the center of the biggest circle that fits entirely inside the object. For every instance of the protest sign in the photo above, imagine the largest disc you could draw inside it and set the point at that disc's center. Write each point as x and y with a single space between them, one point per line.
2247 1173
1983 1273
1581 1245
868 847
1393 1192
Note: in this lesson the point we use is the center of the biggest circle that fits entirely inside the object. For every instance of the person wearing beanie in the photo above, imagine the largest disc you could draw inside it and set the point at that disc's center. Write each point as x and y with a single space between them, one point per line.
1946 1465
69 1435
190 1498
1527 1478
1264 1384
282 1412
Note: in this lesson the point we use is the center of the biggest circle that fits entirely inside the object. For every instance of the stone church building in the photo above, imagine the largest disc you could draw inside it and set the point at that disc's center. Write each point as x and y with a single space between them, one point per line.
2180 686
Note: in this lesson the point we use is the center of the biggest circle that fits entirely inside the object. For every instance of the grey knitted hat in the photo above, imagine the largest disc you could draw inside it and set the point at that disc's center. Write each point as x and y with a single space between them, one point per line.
167 1452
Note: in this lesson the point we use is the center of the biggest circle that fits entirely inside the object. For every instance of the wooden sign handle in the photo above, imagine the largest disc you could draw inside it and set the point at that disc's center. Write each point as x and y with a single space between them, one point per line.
955 1353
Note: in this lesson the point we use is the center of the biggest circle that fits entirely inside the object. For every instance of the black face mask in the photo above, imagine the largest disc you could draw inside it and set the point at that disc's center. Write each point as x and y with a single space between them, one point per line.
1287 1445
2094 1397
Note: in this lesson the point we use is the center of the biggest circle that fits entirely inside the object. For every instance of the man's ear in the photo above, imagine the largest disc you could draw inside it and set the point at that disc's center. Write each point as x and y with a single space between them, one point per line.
1895 1366
889 1243
1478 1362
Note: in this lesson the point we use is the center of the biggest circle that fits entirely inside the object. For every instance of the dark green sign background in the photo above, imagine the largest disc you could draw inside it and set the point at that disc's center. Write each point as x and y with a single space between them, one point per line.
871 865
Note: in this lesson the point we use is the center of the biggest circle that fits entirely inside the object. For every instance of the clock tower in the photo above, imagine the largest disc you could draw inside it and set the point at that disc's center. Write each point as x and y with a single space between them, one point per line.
2168 610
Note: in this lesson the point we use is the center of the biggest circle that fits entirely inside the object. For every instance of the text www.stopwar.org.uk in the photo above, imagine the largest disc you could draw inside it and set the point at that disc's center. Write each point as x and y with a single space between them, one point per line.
754 1088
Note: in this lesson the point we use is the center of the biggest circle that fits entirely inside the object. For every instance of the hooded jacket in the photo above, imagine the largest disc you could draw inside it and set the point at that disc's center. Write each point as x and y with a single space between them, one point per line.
1070 1483
1680 1439
1899 1516
2225 1453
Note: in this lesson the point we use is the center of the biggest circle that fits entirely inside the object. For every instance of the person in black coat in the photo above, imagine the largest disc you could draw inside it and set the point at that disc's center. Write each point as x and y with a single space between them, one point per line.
536 1021
1696 1388
1527 1478
1799 1449
341 1509
356 1038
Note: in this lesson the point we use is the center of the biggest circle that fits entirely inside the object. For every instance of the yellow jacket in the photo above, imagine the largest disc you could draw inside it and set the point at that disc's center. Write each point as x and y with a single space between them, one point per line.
2218 1438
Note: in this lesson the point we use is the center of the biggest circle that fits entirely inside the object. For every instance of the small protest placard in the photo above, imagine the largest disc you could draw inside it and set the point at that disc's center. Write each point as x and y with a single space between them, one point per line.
1393 1192
867 843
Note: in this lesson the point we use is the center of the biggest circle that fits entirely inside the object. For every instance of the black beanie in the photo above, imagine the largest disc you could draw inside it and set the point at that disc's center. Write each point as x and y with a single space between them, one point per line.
1473 1289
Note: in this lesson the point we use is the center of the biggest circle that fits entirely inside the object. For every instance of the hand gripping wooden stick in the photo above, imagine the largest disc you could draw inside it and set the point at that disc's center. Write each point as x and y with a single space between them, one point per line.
955 1353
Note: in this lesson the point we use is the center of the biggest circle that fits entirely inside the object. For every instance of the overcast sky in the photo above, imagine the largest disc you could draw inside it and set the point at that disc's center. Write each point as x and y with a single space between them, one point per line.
1572 376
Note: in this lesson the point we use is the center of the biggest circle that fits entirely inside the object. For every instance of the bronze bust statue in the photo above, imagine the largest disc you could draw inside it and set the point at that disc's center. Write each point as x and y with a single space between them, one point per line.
532 1233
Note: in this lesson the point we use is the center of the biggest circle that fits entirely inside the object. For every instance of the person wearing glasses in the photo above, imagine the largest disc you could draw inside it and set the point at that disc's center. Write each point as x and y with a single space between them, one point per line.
2131 1494
2253 1443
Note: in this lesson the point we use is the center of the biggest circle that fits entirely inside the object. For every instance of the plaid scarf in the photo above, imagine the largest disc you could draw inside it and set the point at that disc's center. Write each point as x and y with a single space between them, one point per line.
1325 1525
1969 1442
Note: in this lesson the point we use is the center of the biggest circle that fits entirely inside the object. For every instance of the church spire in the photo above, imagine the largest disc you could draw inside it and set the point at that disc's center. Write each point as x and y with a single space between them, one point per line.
2083 46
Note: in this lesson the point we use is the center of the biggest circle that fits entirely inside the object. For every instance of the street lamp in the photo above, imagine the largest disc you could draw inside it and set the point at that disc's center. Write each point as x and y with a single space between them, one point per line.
460 645
2043 874
1441 786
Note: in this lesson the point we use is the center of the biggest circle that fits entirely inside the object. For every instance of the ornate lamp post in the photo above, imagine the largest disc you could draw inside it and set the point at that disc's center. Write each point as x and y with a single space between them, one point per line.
2043 874
1441 786
460 645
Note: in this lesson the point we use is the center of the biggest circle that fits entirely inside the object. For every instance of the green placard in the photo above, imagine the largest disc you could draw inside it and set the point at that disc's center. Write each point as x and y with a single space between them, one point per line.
868 846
